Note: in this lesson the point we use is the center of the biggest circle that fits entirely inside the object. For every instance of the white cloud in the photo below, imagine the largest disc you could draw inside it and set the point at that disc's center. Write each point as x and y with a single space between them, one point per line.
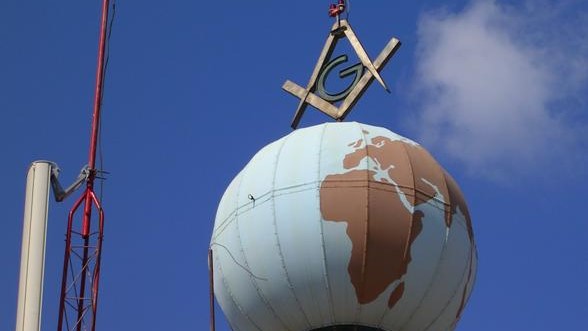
503 89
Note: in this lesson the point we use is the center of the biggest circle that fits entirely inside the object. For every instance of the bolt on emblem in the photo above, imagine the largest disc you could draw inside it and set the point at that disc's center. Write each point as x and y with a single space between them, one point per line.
364 73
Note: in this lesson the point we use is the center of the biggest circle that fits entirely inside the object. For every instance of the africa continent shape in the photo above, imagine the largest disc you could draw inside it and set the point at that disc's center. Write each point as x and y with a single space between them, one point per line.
379 204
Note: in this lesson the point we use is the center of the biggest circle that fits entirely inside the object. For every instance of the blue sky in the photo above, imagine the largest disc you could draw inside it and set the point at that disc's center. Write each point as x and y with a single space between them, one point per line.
497 90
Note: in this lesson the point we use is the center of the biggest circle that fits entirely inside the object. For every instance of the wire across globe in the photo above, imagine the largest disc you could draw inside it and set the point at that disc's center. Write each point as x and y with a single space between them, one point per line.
343 225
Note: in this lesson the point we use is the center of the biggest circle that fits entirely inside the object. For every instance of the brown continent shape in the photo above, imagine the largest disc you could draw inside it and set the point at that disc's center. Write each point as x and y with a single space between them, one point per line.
379 226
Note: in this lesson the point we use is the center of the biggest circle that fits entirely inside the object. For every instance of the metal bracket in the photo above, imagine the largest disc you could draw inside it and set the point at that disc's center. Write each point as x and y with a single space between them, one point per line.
58 191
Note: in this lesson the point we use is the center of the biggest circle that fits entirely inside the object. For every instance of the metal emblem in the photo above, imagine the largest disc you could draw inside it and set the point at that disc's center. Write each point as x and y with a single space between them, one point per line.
320 87
365 72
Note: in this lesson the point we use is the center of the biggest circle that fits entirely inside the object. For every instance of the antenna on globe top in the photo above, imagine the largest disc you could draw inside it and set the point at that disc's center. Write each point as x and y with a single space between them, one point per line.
339 104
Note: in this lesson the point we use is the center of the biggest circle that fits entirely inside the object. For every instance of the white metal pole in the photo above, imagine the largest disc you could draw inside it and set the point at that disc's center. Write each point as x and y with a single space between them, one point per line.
32 265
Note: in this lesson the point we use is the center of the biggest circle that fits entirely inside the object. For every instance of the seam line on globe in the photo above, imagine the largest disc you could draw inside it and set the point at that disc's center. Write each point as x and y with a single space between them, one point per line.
310 186
321 225
275 223
228 289
455 292
367 222
432 281
245 261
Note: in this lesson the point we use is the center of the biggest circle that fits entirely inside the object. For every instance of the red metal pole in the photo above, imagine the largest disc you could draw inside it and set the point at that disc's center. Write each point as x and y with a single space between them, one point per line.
79 289
96 116
99 84
96 276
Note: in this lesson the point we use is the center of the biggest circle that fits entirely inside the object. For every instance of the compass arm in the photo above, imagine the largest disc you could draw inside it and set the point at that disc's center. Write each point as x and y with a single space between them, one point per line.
59 192
325 54
359 89
365 59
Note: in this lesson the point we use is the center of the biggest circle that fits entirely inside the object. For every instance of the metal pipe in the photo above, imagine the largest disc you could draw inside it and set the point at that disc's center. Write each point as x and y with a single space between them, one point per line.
80 281
32 265
211 296
99 85
96 118
96 276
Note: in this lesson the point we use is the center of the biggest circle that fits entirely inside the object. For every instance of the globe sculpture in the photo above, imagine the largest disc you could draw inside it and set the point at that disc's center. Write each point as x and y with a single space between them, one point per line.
343 226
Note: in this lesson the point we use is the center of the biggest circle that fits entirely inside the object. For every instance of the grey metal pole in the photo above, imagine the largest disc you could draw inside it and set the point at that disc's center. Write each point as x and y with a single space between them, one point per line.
32 265
211 283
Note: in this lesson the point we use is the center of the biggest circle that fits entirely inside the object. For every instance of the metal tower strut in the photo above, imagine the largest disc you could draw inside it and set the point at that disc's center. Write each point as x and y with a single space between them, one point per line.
83 243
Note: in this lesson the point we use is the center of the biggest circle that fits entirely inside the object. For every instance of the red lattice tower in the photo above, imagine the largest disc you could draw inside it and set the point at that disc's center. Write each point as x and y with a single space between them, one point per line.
83 244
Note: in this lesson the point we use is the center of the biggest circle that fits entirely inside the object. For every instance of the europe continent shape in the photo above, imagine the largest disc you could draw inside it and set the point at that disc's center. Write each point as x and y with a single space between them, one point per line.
343 224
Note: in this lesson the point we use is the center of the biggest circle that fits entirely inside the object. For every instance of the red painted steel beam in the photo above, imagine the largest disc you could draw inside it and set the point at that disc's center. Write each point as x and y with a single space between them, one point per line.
83 249
99 84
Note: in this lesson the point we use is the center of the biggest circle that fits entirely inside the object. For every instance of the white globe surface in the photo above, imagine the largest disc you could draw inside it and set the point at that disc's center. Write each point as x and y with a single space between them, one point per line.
343 224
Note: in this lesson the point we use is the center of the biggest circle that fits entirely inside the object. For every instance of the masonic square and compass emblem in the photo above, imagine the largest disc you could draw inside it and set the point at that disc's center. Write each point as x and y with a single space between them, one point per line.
338 105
